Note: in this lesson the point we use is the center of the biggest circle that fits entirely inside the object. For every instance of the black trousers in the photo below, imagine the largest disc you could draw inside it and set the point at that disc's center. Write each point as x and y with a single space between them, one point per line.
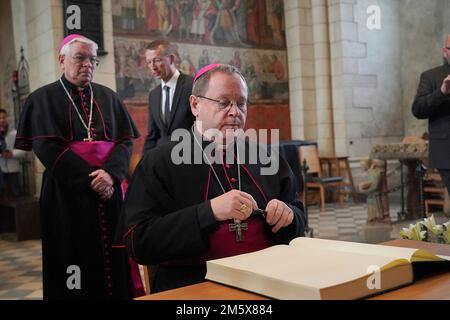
445 175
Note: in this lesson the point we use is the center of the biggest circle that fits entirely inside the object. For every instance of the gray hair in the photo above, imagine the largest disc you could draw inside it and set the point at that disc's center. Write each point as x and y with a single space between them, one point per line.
66 48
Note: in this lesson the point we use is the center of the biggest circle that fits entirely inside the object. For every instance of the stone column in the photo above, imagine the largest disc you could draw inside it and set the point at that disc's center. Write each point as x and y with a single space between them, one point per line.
324 114
300 65
309 72
106 74
343 62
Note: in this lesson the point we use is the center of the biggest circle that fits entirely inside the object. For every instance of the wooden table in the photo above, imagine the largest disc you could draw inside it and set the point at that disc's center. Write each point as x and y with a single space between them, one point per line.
409 154
435 287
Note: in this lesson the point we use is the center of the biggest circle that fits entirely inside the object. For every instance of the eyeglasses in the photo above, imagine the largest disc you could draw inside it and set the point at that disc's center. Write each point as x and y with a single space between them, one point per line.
226 104
81 59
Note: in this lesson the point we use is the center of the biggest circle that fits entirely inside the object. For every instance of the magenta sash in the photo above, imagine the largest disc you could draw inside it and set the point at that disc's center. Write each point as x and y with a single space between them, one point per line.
94 152
223 242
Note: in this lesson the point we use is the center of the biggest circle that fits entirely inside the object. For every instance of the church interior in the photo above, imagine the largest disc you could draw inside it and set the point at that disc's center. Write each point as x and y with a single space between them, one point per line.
335 79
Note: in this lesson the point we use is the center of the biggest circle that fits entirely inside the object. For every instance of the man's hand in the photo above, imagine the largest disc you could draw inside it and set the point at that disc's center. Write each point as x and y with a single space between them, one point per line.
7 154
228 206
279 215
102 181
107 194
446 86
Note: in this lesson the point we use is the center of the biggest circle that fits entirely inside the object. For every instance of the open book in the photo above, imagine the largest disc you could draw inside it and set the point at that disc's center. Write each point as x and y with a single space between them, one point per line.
323 269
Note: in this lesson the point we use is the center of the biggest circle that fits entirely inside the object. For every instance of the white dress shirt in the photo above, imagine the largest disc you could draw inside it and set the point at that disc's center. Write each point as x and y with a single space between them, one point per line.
11 165
172 84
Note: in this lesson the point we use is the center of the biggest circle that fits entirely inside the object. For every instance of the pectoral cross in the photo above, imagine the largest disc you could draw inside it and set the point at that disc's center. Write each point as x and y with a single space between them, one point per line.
237 227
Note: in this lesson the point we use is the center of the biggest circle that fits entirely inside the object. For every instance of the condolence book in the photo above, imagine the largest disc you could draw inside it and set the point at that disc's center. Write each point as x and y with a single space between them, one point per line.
325 269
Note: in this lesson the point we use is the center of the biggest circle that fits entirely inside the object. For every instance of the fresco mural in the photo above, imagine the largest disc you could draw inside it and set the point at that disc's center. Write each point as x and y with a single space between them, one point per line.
241 23
247 34
265 70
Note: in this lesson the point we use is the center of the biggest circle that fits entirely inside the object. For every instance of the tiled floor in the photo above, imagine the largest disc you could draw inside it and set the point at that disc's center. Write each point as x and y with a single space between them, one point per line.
21 270
342 223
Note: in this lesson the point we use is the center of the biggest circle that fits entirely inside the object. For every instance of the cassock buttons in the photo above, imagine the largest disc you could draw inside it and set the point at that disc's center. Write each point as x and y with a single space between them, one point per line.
227 166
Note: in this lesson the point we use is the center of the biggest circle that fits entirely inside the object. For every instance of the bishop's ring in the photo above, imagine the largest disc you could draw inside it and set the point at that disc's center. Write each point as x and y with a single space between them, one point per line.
243 209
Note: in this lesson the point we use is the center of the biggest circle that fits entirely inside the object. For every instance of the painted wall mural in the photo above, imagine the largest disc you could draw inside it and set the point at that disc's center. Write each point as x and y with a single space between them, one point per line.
247 34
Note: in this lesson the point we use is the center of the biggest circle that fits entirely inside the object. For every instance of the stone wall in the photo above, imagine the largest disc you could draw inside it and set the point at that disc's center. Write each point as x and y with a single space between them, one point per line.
351 86
373 110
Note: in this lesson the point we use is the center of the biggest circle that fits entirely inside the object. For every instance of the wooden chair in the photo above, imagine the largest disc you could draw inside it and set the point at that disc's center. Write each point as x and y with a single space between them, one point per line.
147 279
340 167
315 178
436 194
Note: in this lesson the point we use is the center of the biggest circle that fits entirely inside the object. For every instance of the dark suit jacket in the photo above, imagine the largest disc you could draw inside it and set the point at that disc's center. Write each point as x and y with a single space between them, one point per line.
181 115
431 104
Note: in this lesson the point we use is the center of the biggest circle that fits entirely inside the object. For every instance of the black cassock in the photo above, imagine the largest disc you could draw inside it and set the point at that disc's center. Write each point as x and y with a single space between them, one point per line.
79 232
171 224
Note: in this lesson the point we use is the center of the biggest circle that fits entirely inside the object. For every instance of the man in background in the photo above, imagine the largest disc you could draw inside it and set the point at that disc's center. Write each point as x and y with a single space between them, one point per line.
169 107
10 158
432 102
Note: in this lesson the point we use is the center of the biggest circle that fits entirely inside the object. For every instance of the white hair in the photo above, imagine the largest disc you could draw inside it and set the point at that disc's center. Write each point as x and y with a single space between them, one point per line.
66 48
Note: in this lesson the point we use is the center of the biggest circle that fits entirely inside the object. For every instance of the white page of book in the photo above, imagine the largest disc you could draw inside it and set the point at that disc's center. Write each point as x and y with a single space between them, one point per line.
363 248
306 266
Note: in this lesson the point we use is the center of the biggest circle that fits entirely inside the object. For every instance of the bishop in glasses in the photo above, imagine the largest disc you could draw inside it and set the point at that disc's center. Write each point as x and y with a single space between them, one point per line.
182 213
82 134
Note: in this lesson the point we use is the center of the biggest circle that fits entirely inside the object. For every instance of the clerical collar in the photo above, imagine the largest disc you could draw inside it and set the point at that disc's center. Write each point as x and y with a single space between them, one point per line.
172 83
73 87
205 142
200 137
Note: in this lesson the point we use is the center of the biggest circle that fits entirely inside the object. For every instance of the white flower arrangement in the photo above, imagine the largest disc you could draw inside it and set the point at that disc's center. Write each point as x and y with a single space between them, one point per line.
427 230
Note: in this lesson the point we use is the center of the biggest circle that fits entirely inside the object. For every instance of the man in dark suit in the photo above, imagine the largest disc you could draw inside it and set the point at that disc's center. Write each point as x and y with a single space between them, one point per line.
433 103
169 107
